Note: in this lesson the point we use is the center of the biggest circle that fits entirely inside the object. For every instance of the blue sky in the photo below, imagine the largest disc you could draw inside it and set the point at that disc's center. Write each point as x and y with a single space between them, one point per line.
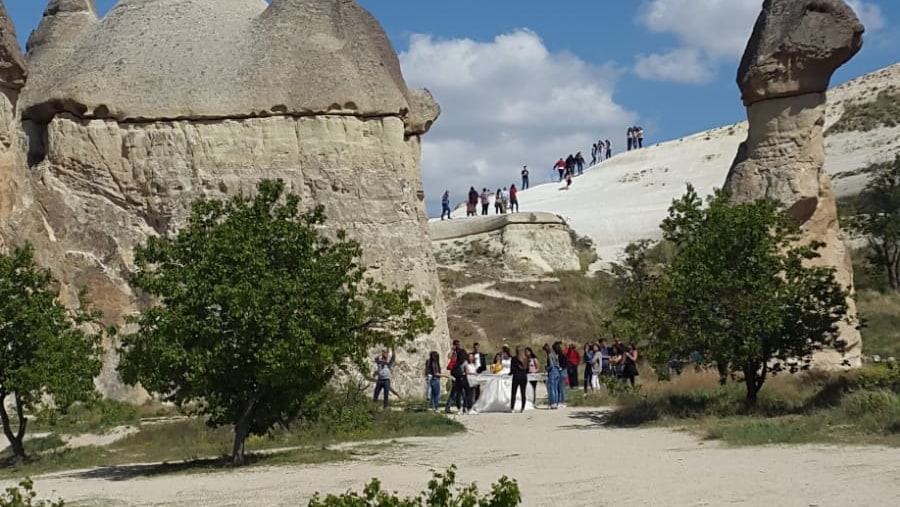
525 81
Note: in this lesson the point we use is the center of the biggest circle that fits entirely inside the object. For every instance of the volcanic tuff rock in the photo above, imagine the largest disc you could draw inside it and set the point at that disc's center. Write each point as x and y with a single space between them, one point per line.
129 118
795 48
523 244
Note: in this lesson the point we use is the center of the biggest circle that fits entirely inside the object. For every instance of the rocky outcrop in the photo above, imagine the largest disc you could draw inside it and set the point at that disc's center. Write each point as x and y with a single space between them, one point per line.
795 48
510 246
131 117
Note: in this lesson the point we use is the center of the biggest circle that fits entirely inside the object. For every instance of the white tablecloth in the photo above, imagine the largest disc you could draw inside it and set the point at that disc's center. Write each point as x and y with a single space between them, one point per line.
496 392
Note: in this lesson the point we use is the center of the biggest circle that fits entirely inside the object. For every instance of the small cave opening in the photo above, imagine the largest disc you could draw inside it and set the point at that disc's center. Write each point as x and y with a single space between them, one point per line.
36 138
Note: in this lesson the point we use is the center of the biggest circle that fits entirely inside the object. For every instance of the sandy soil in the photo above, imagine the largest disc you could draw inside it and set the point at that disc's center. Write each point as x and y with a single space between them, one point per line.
559 458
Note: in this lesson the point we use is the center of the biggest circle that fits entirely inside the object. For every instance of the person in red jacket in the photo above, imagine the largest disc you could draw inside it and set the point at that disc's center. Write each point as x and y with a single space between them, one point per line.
513 199
574 358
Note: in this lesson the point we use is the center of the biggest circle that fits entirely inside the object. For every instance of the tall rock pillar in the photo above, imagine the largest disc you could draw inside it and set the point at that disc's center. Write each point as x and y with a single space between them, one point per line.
795 48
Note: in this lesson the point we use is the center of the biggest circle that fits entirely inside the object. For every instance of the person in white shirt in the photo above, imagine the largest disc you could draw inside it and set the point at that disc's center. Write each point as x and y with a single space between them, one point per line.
471 369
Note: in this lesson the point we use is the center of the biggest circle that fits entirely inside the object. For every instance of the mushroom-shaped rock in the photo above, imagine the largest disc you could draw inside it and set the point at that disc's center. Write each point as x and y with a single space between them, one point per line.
196 59
12 65
796 46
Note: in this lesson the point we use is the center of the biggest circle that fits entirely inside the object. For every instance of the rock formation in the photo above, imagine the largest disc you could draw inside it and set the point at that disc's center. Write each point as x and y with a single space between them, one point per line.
795 48
129 118
512 246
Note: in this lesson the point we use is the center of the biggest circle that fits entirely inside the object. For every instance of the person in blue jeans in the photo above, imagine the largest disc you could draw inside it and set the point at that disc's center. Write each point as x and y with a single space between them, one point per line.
433 379
383 365
445 205
563 366
552 377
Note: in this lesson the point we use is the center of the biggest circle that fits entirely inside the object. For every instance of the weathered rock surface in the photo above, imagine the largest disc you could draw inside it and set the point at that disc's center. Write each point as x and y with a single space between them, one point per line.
131 117
193 59
516 245
795 48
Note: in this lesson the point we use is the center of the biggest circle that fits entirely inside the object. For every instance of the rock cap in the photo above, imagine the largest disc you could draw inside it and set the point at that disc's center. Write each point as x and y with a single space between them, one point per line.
196 59
796 46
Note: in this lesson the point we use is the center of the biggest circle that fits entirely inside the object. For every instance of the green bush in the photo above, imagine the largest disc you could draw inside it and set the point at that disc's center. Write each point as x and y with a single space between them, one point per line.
442 492
883 376
93 416
24 495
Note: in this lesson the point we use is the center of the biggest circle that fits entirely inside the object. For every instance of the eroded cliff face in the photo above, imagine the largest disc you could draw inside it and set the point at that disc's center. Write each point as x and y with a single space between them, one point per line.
795 48
114 143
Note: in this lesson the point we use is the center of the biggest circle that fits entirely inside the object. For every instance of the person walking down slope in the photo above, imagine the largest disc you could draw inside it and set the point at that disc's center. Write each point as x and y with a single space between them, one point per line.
472 204
593 154
485 201
570 163
513 199
561 167
568 179
383 365
524 177
445 205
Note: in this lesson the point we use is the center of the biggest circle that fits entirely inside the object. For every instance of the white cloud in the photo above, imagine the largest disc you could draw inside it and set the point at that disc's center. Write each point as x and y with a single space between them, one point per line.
679 66
507 103
708 33
870 14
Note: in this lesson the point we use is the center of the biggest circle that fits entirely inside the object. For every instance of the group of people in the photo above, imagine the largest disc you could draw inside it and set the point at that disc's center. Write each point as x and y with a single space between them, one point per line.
462 365
634 137
569 167
600 151
618 360
505 201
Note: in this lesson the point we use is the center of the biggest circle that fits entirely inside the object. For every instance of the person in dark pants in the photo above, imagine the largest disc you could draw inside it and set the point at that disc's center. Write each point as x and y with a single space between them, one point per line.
524 177
461 390
588 359
383 365
451 366
574 360
518 368
630 371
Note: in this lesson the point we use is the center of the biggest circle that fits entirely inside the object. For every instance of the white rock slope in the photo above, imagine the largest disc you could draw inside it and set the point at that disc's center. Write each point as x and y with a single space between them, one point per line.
624 199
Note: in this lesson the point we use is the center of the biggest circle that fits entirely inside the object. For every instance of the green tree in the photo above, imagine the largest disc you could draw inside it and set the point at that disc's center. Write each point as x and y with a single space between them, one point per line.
739 287
442 492
877 217
258 308
45 349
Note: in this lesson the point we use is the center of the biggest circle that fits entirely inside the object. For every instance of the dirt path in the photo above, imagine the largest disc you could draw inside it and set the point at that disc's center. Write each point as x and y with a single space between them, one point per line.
558 457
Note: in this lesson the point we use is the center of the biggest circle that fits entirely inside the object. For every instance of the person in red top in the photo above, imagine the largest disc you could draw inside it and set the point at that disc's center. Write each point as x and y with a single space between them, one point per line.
561 167
513 199
574 358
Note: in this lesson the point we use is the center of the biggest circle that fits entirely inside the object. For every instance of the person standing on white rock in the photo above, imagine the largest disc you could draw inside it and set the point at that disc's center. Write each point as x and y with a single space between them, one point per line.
445 205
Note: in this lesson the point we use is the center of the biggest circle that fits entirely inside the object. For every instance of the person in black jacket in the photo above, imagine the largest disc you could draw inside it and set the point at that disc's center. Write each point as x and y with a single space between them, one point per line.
461 390
519 371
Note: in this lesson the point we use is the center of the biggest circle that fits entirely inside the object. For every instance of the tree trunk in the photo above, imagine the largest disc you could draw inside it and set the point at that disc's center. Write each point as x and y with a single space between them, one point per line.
754 378
16 440
241 431
752 386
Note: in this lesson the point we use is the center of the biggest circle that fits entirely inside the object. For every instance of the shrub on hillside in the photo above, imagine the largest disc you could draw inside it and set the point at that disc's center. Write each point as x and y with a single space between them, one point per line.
442 491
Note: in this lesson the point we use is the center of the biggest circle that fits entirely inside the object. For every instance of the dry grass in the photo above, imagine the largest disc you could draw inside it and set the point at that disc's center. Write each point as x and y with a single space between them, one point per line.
870 115
575 309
